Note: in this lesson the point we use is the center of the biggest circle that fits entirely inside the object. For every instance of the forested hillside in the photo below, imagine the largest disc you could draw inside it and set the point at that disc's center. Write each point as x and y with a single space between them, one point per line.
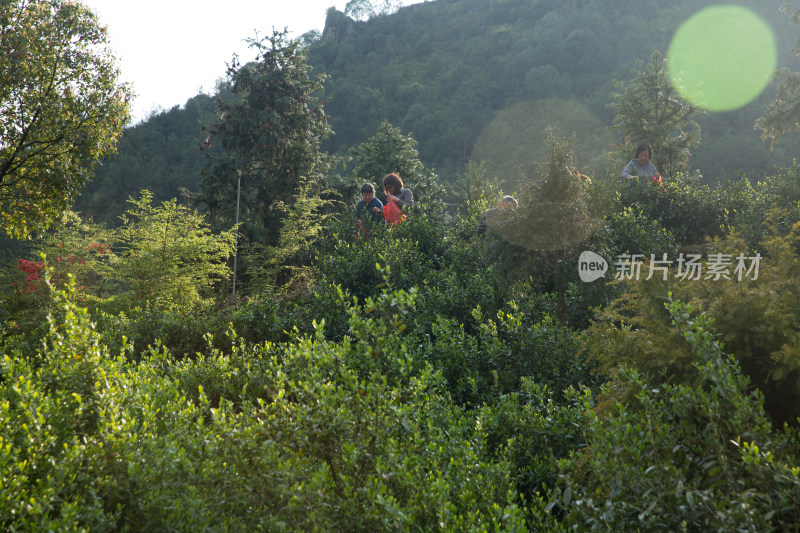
481 80
596 353
161 154
469 80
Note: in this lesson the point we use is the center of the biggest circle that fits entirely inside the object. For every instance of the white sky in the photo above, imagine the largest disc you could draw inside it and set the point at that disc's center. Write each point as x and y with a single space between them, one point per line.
170 50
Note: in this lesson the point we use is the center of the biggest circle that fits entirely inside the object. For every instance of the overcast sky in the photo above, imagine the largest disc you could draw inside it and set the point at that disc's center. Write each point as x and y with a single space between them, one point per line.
170 50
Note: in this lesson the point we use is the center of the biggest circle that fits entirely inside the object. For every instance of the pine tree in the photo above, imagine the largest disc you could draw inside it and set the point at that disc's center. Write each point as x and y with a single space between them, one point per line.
782 114
551 226
391 151
649 110
268 134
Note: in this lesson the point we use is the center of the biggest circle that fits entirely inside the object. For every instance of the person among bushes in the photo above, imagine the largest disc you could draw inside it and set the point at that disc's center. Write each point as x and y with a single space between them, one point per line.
369 204
641 166
397 198
507 204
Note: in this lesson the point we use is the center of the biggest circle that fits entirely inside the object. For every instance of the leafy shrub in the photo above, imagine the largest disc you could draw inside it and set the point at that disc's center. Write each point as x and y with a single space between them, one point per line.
482 367
747 205
757 320
534 431
49 424
686 210
318 435
746 208
454 295
168 255
690 211
677 457
186 333
633 232
451 275
261 320
307 435
351 263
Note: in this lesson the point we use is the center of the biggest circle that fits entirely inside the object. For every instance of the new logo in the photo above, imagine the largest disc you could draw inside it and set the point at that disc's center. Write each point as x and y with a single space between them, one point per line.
591 266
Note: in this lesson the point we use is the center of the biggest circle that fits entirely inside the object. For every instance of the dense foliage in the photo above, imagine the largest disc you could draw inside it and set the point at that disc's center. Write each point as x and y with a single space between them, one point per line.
62 108
436 390
647 109
162 258
450 72
417 376
469 80
444 395
266 138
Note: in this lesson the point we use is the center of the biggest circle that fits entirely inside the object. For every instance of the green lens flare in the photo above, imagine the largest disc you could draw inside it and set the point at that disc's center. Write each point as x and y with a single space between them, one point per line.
722 58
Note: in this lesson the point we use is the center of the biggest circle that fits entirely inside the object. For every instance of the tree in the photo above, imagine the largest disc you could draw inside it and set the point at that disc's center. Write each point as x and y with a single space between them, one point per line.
268 134
367 9
649 110
168 256
61 108
162 257
782 114
285 267
555 222
387 151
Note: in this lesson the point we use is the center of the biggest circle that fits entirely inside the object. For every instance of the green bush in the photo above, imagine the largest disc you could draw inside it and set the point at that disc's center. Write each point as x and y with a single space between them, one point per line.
319 435
305 435
483 367
50 426
689 211
184 333
514 347
349 261
678 457
634 232
534 432
747 205
450 274
758 320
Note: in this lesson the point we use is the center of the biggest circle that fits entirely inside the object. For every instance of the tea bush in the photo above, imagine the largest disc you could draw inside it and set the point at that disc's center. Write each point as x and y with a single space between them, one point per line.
49 424
483 367
747 205
681 457
757 319
184 333
534 432
306 435
514 347
633 232
689 211
314 435
451 275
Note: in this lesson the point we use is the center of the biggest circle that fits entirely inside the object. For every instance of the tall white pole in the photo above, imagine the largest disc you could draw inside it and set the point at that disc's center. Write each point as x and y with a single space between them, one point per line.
236 242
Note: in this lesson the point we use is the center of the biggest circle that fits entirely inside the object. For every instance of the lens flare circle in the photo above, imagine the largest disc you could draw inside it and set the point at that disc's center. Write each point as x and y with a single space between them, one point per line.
722 58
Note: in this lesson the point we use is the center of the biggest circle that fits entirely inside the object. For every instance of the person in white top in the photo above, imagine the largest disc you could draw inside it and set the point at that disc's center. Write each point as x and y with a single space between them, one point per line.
641 166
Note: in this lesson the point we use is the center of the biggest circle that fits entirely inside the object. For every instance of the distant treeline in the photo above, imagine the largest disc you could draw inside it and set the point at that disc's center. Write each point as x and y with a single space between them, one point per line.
469 80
